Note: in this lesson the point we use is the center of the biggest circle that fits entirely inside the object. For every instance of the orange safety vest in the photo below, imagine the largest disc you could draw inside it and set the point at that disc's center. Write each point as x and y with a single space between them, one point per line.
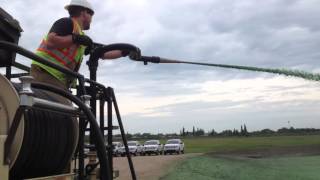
70 57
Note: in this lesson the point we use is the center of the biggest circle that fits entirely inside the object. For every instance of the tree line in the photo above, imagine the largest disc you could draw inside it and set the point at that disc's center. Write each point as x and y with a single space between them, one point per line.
242 132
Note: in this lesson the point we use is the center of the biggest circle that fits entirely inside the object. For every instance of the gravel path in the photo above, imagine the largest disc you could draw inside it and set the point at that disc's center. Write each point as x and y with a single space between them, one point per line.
148 167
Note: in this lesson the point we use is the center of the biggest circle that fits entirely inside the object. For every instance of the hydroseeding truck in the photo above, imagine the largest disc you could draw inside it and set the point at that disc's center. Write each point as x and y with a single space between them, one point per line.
40 138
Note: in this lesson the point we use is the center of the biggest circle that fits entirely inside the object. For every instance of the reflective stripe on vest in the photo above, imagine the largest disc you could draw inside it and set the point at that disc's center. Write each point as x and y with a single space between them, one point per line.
68 57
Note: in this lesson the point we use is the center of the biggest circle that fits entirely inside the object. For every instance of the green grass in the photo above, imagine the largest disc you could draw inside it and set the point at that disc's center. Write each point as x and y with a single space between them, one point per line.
210 168
212 144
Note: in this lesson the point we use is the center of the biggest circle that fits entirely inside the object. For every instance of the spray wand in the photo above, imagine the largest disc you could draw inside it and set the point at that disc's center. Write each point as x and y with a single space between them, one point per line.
286 72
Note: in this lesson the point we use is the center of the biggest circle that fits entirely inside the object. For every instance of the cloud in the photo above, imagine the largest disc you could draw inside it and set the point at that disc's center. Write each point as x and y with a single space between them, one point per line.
257 102
274 34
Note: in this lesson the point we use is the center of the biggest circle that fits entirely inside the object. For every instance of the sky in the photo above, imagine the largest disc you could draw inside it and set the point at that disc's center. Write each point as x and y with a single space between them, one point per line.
160 98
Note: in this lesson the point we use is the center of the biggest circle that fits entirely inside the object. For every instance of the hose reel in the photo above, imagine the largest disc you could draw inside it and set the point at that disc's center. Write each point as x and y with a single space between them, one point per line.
45 141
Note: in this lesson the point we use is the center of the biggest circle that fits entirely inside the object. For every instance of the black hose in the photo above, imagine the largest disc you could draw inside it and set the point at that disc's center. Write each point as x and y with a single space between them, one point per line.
99 139
15 48
94 83
99 49
51 137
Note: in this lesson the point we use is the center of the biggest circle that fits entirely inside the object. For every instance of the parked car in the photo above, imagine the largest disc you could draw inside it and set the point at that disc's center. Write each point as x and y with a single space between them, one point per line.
152 147
116 148
173 146
135 148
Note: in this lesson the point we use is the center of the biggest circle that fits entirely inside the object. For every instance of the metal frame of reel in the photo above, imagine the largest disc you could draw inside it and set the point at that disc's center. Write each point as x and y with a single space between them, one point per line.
85 112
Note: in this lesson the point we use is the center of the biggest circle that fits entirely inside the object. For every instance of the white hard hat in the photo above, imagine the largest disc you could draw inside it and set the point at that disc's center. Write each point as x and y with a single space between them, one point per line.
82 3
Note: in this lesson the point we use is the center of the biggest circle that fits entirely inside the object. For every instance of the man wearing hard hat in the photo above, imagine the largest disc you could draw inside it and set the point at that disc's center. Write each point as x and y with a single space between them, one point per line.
65 45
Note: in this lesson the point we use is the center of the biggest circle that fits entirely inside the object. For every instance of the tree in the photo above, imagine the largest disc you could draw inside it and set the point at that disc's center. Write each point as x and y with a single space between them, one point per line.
199 132
212 132
235 132
128 135
145 135
266 131
193 131
226 133
245 132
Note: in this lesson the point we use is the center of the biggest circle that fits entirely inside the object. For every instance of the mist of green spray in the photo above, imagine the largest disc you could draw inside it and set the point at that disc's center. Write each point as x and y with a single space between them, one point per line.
286 72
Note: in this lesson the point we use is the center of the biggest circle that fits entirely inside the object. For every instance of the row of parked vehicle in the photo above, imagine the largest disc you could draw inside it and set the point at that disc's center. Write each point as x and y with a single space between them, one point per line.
149 147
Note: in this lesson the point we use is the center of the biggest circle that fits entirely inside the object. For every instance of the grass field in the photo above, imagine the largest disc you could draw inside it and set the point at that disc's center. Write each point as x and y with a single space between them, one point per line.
210 168
283 167
212 144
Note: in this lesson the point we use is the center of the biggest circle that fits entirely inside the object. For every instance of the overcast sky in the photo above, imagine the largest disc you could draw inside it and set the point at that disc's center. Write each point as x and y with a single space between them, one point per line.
165 98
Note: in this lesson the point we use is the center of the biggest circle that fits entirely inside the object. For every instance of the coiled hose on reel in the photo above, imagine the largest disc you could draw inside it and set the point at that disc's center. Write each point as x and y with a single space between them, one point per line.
49 141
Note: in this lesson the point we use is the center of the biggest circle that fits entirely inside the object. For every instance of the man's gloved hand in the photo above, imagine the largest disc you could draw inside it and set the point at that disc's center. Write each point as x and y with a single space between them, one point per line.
135 55
82 40
87 50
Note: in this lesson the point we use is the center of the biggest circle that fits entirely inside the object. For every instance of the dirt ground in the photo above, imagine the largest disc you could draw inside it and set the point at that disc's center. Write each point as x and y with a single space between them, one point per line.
155 167
148 167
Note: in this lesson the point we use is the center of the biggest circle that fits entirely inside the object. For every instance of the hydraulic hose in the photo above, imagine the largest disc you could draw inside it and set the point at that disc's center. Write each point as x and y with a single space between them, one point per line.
15 48
117 46
99 140
51 135
98 49
32 56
